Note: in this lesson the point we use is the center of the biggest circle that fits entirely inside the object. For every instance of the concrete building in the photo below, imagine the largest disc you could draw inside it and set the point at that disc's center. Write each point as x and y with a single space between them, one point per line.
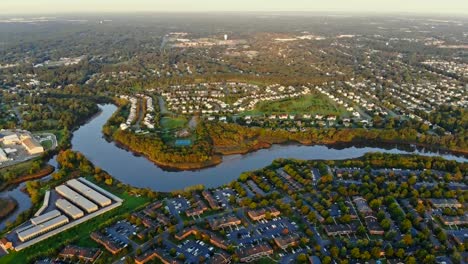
99 189
76 198
37 230
45 217
84 254
223 222
445 203
89 193
69 209
263 212
284 242
32 146
110 245
253 253
11 139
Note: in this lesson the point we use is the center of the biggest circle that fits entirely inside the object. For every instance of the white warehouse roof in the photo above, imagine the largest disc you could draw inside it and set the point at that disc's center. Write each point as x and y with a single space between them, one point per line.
45 217
76 198
89 192
69 209
37 230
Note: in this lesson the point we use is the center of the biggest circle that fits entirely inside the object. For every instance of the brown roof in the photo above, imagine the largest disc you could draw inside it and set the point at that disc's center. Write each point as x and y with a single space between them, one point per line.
30 144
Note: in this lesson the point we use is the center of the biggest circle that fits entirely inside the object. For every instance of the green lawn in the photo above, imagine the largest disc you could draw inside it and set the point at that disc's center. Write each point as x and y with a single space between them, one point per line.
79 235
20 168
173 122
47 144
311 104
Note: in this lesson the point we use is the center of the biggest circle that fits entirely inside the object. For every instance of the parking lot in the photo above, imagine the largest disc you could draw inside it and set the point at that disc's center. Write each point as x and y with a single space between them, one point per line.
177 205
121 231
223 196
263 229
193 250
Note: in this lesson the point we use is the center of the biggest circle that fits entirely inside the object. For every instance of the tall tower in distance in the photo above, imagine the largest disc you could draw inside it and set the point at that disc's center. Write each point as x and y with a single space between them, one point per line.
225 36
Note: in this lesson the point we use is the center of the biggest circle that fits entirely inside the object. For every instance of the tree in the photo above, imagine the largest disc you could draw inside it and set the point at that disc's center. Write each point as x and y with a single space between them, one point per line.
400 253
108 181
385 224
302 258
389 252
326 260
406 225
355 253
361 230
334 251
407 239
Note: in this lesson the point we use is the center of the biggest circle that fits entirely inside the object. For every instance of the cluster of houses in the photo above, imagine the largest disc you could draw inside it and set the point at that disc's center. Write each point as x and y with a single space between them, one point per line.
405 99
180 40
148 120
450 67
211 98
60 62
213 225
133 111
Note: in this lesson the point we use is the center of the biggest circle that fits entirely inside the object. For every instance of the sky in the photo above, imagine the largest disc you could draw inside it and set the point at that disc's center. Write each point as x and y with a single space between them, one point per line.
365 6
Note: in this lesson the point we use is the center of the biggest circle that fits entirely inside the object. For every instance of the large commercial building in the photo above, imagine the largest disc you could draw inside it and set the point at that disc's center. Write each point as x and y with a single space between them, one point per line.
36 230
76 198
32 146
11 139
69 209
89 193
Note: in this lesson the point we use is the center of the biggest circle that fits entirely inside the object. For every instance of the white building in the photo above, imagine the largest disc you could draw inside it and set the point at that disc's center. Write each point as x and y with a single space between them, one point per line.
3 155
11 139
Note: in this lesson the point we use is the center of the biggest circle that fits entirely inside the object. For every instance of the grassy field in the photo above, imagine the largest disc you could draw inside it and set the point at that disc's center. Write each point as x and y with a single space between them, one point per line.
311 104
79 235
20 168
173 122
47 144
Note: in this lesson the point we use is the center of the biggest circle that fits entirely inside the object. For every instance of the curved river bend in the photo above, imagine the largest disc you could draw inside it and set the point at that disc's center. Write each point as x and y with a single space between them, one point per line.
140 172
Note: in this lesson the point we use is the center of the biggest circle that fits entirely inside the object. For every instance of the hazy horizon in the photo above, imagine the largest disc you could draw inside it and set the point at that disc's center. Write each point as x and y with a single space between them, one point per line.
433 7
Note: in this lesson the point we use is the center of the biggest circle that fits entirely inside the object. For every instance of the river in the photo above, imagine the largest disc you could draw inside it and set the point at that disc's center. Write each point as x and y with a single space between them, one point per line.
22 199
140 172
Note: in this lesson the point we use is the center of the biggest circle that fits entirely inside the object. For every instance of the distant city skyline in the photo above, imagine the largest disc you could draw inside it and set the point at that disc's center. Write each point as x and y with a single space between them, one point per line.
364 6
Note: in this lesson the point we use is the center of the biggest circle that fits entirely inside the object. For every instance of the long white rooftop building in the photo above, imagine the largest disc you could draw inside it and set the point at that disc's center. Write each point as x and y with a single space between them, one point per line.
76 198
89 193
69 209
45 217
40 229
101 190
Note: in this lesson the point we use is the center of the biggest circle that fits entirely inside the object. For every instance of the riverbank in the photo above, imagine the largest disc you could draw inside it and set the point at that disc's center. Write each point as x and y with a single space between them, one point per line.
265 144
213 161
46 170
7 206
244 149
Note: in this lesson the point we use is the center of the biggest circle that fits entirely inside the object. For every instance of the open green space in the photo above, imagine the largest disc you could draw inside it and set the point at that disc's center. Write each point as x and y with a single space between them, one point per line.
47 144
18 169
173 122
309 104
